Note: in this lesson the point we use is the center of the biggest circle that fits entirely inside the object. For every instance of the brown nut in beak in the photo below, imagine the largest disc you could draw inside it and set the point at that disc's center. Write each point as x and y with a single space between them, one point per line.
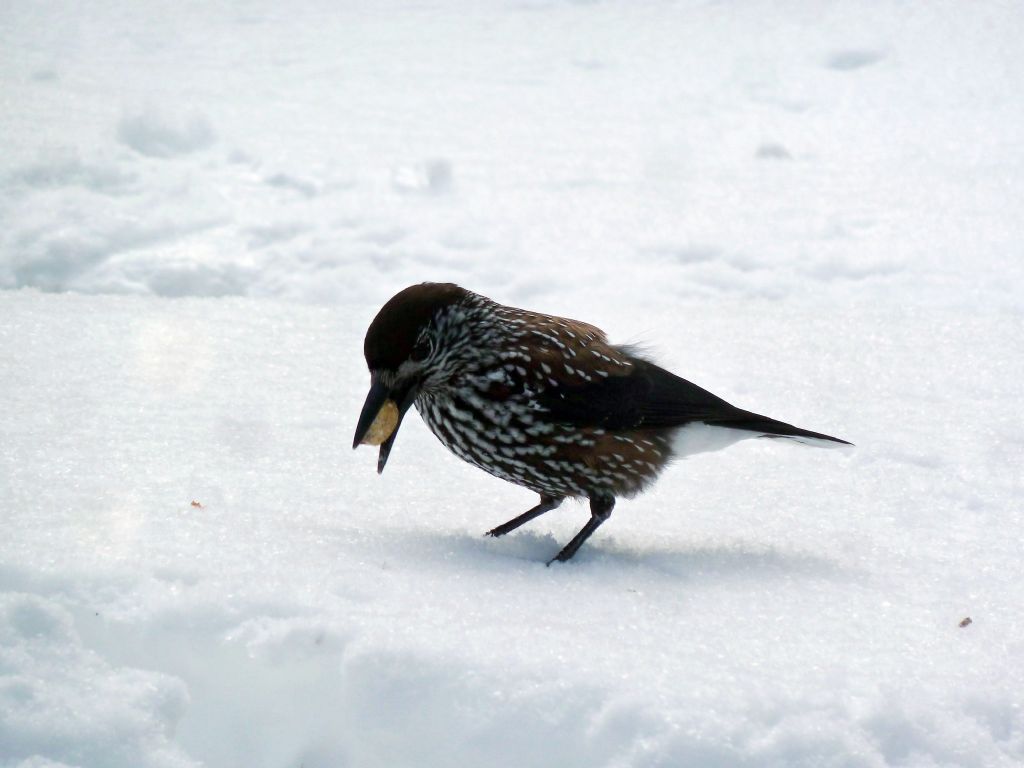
382 414
383 425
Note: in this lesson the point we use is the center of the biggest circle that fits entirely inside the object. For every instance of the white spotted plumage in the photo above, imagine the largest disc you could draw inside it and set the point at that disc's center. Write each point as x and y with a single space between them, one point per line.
481 399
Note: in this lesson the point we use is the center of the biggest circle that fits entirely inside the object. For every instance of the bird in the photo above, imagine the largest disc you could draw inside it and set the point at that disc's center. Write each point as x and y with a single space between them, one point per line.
544 402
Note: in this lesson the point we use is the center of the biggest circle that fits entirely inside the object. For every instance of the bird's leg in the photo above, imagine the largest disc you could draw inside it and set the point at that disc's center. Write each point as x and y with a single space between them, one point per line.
547 503
600 510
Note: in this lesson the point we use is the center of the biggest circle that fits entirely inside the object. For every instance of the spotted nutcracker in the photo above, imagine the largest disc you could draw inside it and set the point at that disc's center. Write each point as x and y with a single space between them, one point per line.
541 401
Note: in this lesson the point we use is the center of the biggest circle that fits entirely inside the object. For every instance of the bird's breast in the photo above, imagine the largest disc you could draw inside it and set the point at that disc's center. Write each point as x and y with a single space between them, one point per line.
511 438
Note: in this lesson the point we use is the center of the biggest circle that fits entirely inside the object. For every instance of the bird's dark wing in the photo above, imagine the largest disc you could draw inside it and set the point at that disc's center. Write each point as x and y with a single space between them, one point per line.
587 382
644 396
649 396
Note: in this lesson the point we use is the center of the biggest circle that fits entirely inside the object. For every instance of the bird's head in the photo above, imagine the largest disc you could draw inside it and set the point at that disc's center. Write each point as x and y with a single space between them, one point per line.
408 349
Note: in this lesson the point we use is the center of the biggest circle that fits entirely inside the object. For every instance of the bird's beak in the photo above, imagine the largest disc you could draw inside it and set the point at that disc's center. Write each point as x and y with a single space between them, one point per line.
382 416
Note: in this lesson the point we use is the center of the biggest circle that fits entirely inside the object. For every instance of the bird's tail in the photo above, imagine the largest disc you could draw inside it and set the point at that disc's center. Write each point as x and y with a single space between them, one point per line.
767 427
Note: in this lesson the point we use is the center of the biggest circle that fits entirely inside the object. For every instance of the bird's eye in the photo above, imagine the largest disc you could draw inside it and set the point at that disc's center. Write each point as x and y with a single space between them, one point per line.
421 351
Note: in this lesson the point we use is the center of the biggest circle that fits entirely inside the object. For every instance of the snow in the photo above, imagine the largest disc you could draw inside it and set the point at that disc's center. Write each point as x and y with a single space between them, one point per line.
811 210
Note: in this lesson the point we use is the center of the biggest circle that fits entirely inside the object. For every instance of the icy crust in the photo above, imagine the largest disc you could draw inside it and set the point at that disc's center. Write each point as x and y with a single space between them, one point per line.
61 703
763 605
743 151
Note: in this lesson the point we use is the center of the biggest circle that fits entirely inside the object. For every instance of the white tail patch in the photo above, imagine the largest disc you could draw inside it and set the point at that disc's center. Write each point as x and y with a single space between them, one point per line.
699 437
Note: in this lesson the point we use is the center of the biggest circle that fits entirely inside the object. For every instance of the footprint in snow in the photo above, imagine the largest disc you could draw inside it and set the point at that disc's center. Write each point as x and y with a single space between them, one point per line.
853 58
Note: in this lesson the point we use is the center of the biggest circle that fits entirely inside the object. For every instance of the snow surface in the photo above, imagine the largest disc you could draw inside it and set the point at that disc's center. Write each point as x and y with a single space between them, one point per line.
811 209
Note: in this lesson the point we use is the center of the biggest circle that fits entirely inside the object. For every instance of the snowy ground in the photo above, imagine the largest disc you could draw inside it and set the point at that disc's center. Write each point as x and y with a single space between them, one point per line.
812 210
